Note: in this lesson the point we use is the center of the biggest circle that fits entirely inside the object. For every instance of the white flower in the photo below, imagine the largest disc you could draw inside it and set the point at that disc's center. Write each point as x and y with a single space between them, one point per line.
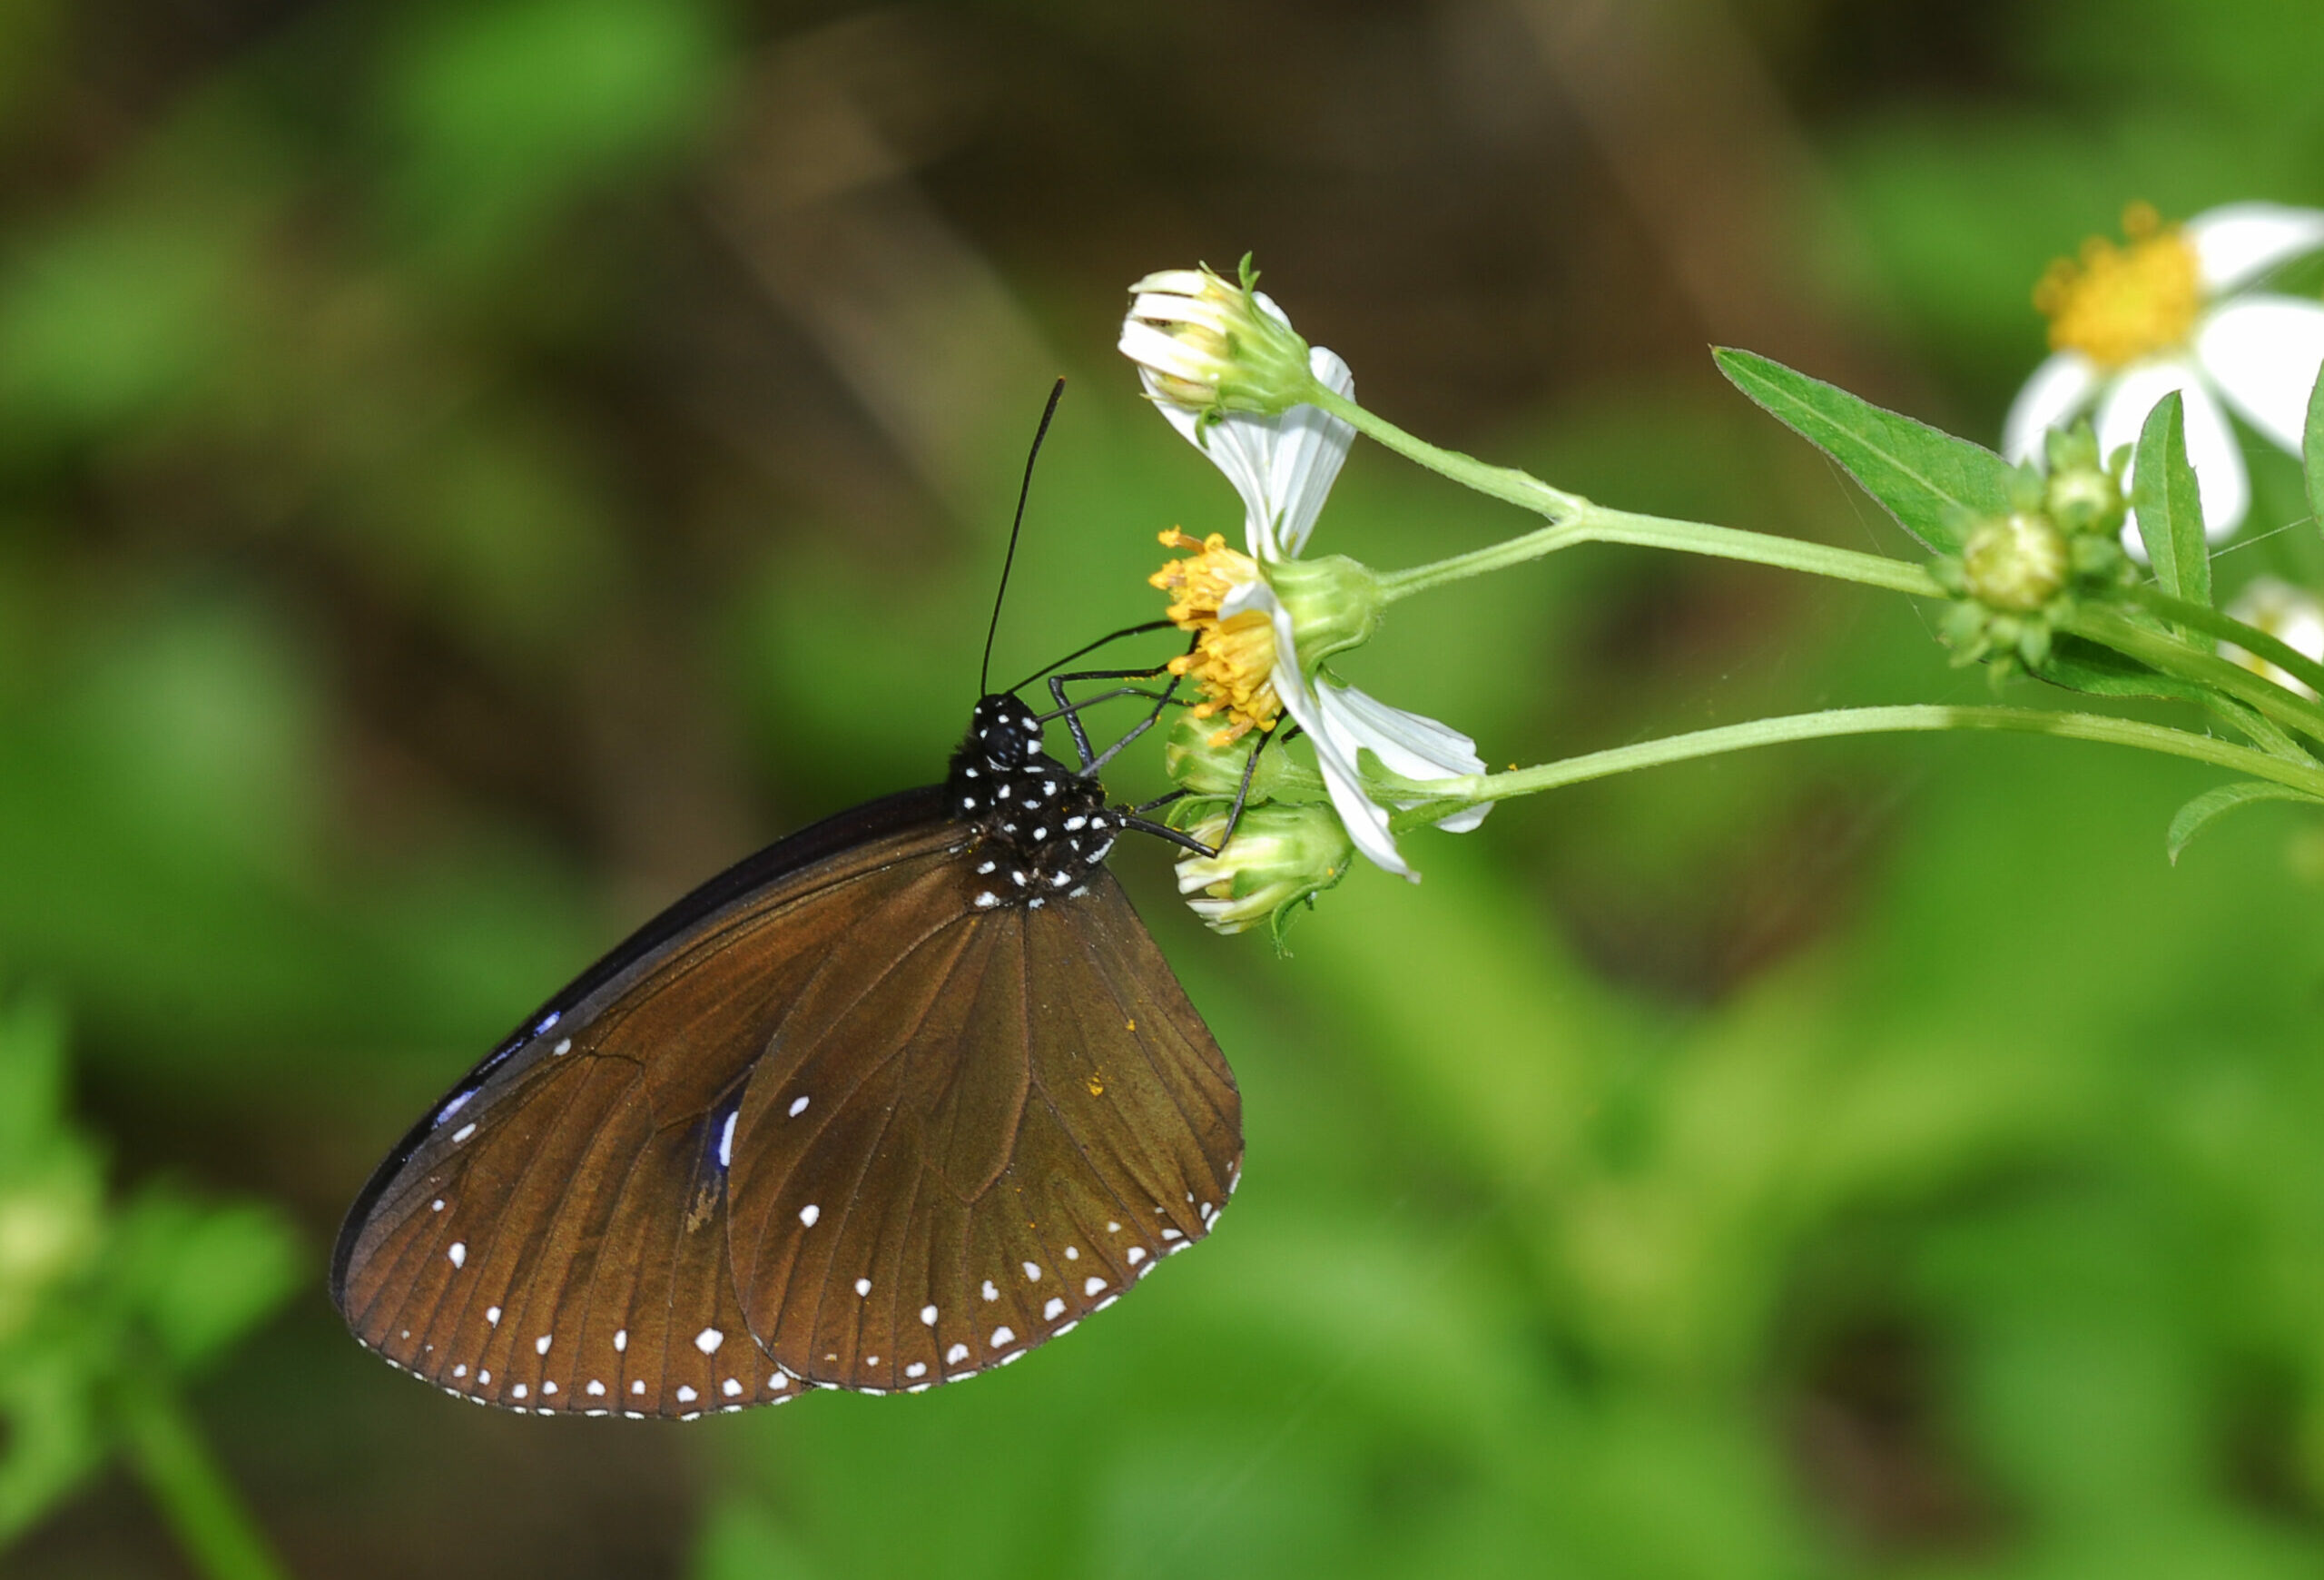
1210 346
1247 658
2169 311
2285 612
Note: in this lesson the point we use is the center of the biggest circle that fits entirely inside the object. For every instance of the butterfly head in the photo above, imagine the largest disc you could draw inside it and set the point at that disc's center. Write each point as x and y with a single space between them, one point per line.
1042 828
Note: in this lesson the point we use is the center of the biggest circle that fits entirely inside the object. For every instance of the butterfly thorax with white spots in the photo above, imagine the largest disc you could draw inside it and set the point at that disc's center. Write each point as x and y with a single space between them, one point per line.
1041 829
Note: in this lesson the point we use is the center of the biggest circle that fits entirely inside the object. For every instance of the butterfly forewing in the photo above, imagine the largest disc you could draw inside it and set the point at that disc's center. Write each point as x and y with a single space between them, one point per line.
889 1103
578 1195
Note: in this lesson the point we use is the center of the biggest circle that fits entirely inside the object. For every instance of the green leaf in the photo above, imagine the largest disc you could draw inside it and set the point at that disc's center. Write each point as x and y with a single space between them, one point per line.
2205 809
1924 476
2169 510
2077 665
2314 448
200 1276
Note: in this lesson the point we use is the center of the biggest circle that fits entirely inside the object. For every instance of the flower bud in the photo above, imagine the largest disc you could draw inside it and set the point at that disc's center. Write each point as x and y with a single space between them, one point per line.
1200 764
2083 494
2016 562
1212 347
1280 853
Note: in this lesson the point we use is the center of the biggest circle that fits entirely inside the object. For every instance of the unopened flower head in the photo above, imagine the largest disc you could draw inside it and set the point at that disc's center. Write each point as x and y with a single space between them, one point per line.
2016 562
2290 615
2082 493
1200 764
1280 854
1212 347
2170 309
2019 573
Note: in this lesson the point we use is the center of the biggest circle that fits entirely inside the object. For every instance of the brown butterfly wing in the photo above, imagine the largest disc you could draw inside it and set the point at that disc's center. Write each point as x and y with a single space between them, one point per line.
824 1112
954 1151
554 1237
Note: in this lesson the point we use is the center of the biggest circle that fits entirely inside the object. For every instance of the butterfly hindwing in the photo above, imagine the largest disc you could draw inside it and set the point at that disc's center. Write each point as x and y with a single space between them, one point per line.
1012 1122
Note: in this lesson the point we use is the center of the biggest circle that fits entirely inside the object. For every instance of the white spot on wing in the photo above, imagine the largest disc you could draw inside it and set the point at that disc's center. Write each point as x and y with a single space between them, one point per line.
798 1106
990 1292
686 1395
708 1340
726 1140
1137 1255
863 1287
917 1368
540 1345
621 1339
1003 1335
1093 1283
492 1316
730 1388
956 1355
809 1213
1054 1309
1033 1272
928 1315
464 1133
458 1254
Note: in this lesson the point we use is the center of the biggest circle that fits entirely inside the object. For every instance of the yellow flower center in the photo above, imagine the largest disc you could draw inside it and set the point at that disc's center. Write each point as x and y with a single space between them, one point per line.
2117 305
1233 662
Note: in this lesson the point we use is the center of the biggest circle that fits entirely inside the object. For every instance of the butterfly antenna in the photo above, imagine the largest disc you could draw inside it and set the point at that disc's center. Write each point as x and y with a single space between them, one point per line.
1024 491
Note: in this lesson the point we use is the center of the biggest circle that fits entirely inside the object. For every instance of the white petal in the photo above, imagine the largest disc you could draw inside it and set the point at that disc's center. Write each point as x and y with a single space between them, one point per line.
1366 823
1282 466
2263 353
2217 455
1409 743
2212 448
1307 462
2242 241
1150 348
2060 388
1176 282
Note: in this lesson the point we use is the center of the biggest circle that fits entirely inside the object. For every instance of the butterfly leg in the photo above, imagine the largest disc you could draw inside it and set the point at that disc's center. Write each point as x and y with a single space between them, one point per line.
1234 813
1070 708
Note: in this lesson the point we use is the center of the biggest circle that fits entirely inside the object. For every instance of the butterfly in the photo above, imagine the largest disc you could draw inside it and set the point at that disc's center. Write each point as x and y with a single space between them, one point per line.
887 1104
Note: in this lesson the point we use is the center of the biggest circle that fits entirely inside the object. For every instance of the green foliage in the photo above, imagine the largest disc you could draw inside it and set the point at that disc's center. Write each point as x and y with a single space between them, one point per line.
1929 480
2169 509
97 1299
2205 809
2312 449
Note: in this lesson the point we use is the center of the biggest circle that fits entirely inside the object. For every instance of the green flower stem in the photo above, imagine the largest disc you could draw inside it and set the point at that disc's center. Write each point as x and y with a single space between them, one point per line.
2211 623
1469 790
220 1538
1520 488
2173 656
1576 520
1587 523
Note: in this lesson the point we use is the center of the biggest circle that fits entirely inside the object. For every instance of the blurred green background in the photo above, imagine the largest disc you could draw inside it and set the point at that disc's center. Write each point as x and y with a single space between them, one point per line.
469 470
